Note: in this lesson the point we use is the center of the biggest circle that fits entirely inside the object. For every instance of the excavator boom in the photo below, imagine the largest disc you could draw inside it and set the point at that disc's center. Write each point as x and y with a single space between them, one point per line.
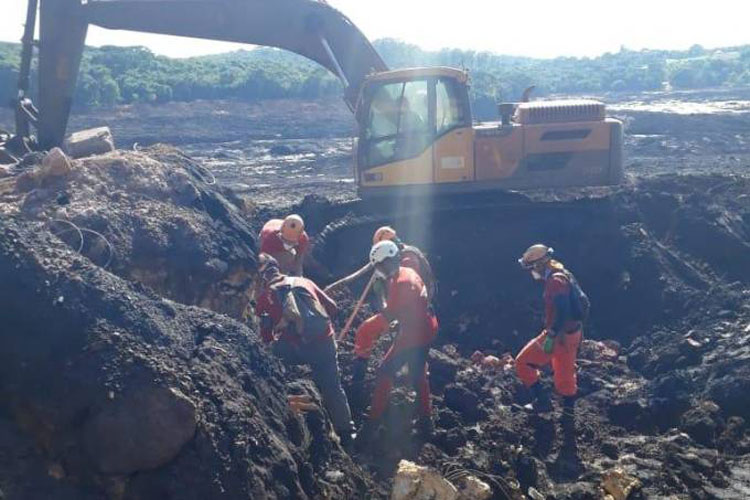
310 28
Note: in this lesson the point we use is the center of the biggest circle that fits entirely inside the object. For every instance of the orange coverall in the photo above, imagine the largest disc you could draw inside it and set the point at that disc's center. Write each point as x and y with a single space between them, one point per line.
563 356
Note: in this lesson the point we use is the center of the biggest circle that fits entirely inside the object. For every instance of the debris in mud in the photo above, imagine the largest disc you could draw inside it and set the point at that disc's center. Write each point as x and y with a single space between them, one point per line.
414 482
90 353
617 485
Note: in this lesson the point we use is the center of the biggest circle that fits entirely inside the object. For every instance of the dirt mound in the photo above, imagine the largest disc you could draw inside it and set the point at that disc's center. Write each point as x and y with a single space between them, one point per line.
153 216
126 394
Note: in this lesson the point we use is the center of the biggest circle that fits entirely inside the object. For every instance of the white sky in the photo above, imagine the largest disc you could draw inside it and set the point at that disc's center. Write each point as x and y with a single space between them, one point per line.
537 28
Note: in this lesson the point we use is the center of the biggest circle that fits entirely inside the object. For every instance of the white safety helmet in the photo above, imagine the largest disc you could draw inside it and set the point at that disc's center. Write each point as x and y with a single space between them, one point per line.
383 251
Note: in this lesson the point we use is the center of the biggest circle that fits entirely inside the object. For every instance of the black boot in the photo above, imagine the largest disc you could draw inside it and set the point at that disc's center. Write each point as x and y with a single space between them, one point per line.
568 413
366 434
359 369
347 440
540 399
424 427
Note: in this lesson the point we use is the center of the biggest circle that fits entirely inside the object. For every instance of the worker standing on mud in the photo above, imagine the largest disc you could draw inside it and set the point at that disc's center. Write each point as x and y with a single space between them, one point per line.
411 257
287 242
566 307
408 304
295 319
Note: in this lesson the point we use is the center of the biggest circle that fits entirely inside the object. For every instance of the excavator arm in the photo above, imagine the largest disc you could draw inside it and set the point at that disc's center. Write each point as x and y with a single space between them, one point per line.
310 28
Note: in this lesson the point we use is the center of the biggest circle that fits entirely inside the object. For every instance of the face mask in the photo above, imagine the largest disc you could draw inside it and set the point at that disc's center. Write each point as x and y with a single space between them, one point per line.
380 274
536 275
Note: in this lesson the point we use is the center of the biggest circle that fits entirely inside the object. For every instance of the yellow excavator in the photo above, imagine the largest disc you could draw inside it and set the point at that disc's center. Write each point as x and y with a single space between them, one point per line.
415 128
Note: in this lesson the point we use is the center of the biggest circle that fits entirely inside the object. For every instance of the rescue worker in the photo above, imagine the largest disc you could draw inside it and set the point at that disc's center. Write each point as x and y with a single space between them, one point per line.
563 328
287 242
411 257
408 304
296 348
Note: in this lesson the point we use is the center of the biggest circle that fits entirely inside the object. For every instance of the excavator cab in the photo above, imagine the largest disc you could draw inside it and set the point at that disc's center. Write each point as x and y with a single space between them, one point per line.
411 121
417 136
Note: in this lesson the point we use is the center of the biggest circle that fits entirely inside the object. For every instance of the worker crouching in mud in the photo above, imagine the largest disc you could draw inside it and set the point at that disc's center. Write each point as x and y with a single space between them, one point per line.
287 242
566 308
411 257
295 318
407 303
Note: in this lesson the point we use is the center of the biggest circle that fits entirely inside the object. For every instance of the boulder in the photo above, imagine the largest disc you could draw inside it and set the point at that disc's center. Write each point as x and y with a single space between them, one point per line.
94 141
143 430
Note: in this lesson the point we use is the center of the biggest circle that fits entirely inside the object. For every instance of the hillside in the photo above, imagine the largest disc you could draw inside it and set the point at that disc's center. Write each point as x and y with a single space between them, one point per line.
122 75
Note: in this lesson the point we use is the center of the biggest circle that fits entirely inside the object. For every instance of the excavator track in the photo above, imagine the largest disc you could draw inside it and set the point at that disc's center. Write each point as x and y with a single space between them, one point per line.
344 242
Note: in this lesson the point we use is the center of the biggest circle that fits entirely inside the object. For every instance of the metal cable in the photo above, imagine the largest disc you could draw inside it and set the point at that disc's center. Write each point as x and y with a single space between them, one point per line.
81 231
109 245
72 227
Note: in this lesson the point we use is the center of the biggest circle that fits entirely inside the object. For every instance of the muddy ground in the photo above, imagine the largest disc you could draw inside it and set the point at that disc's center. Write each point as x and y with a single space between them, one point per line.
664 257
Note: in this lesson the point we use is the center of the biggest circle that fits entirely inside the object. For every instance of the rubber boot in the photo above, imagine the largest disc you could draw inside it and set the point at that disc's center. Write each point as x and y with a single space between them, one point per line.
568 411
359 369
347 440
540 399
424 427
366 434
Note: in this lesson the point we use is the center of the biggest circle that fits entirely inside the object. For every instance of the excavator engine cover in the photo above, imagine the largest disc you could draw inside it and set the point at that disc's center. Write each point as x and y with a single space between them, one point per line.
529 113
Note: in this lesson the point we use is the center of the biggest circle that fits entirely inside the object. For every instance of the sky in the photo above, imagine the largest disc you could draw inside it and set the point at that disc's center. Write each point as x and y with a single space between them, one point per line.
535 28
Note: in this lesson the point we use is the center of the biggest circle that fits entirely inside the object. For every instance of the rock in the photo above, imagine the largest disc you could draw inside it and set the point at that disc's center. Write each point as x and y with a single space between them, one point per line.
534 494
185 190
578 491
26 182
462 400
414 482
702 422
471 488
599 351
731 393
94 141
143 430
617 485
281 150
443 368
611 450
56 164
334 476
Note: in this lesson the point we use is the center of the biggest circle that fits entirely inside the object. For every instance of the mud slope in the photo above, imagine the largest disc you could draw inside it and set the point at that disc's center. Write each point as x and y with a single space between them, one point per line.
154 216
128 395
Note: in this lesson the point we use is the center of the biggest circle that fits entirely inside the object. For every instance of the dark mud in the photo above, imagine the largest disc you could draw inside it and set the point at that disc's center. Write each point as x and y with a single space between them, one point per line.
111 391
665 259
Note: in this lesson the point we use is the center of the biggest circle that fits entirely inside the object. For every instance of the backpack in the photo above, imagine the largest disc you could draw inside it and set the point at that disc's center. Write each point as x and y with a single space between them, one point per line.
301 311
580 305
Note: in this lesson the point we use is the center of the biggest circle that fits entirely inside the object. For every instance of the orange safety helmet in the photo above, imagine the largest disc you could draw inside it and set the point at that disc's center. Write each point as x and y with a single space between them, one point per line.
385 233
292 228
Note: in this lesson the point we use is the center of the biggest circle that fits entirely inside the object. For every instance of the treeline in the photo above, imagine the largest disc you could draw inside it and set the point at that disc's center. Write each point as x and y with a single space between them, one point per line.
122 75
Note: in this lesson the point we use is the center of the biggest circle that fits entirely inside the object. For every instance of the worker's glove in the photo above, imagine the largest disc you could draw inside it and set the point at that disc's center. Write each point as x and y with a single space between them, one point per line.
359 369
549 341
367 333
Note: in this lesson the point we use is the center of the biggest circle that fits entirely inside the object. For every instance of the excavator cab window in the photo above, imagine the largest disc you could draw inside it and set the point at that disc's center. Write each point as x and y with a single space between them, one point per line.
450 110
397 125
